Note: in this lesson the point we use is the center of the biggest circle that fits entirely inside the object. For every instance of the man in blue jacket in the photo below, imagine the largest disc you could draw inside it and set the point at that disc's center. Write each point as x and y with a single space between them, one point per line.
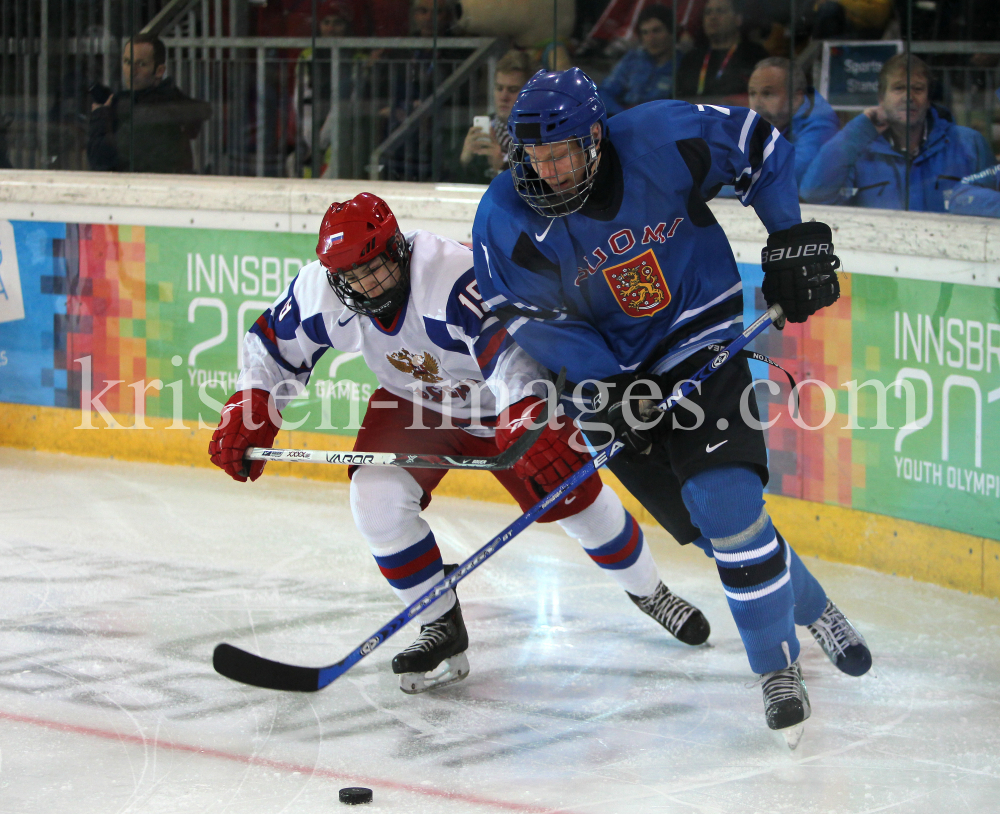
978 194
645 73
865 164
814 122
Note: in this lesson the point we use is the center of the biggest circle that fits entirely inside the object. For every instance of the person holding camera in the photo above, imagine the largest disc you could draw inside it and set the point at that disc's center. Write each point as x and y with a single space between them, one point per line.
147 126
484 152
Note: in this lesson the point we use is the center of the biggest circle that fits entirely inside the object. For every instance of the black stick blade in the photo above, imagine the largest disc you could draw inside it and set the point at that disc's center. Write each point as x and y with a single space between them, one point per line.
239 665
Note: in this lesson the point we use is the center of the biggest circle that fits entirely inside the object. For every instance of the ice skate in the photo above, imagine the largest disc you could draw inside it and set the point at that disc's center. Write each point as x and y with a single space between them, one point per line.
841 641
786 702
680 618
437 657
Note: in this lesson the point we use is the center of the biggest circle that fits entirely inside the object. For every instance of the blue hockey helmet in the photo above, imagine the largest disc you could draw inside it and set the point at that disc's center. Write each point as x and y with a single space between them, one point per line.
556 108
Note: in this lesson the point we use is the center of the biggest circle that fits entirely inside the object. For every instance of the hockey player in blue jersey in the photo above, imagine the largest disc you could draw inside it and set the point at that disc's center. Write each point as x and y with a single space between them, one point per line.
600 254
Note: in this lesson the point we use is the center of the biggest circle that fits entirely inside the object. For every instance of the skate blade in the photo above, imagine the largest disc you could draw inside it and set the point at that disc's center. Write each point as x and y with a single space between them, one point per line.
449 671
793 734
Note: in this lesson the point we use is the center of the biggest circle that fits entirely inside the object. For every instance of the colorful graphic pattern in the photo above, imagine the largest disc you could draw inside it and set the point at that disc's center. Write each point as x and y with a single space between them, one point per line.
107 307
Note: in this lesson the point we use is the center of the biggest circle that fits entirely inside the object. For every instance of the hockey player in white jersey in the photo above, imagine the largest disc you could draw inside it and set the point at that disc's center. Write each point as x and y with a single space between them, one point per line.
410 304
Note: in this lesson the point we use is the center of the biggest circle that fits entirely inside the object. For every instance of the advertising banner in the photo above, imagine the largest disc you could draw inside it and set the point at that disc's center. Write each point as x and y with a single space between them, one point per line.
935 349
210 286
897 409
151 321
32 313
11 302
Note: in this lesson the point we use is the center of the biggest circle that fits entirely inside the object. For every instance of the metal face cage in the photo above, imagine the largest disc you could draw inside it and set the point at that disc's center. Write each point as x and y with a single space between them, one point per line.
385 303
559 186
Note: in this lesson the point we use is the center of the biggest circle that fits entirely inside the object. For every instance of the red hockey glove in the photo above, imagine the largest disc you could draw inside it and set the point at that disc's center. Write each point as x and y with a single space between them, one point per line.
245 422
551 459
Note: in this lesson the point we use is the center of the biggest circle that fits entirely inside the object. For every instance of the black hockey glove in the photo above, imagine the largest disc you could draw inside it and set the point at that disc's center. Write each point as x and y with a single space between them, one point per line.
626 420
800 270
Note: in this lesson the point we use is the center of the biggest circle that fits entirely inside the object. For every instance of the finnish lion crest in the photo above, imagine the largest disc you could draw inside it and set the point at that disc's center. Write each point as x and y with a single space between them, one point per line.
421 366
639 286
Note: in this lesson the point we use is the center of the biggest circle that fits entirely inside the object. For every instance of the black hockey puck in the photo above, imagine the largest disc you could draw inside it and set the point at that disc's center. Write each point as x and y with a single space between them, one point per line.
355 795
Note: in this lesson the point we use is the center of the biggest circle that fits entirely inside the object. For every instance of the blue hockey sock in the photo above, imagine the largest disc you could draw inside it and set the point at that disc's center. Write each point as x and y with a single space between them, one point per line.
810 598
727 504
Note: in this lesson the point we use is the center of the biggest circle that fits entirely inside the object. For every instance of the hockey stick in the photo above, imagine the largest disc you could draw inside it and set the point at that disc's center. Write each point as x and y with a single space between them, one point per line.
258 671
411 460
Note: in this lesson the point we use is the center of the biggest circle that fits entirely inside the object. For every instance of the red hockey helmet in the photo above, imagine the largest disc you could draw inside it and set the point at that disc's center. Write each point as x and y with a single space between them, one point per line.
358 240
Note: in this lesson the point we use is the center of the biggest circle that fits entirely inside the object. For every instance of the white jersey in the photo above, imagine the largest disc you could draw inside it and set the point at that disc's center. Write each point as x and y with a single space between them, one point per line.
441 347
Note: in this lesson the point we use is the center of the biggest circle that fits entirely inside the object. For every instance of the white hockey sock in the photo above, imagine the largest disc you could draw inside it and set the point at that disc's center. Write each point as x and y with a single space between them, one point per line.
613 539
386 507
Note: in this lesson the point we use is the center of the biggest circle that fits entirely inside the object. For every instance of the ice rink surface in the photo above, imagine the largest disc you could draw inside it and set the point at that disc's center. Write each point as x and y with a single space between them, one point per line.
120 578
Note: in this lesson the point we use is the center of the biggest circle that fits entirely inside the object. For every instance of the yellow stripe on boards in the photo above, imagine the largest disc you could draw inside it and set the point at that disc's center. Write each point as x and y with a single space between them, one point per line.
835 533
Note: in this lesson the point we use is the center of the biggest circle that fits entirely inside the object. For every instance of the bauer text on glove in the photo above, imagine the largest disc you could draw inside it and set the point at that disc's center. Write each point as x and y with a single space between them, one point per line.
800 270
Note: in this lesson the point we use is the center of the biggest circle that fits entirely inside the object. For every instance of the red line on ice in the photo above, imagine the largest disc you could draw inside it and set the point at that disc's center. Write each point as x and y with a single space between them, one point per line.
277 764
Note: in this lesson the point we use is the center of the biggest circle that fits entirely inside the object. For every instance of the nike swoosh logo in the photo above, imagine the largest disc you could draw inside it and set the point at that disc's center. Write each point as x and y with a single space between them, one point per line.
570 499
709 448
541 237
342 324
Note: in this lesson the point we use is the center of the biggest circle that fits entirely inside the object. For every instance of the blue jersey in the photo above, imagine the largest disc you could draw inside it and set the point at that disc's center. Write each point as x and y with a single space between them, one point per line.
643 276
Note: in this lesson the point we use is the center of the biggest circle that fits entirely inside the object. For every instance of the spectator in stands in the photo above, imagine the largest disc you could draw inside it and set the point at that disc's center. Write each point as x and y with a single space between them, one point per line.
484 155
613 33
422 18
814 122
978 194
149 124
414 159
865 164
721 68
645 73
334 20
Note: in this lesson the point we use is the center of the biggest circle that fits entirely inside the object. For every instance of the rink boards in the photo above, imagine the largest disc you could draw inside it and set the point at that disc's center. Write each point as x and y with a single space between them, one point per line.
112 284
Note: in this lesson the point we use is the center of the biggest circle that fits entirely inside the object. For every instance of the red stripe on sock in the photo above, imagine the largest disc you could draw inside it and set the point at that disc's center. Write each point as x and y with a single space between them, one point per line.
408 570
624 551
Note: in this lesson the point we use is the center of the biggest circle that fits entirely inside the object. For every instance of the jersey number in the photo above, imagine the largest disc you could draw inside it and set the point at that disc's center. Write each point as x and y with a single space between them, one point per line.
473 292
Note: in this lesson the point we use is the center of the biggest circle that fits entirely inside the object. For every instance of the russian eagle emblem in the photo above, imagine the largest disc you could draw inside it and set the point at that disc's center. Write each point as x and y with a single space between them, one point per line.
421 366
